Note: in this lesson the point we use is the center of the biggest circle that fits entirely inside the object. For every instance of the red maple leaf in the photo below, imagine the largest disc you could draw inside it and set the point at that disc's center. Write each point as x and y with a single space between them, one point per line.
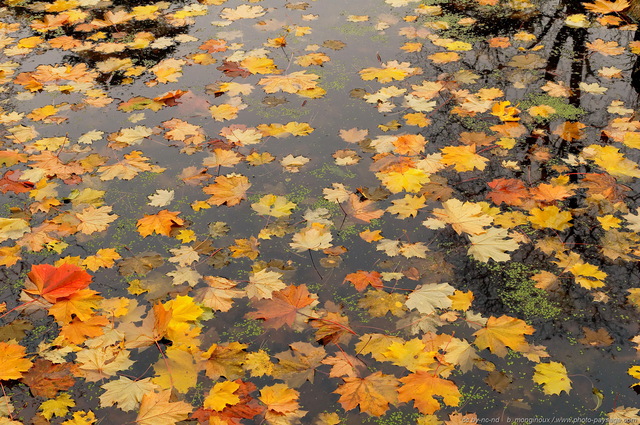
509 191
283 308
53 282
362 279
10 183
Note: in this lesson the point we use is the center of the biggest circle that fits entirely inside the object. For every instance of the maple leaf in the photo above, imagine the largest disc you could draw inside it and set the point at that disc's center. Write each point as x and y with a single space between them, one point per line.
362 279
297 365
463 158
492 244
263 283
45 379
77 331
550 217
225 360
58 406
502 332
411 355
230 190
290 306
280 398
53 283
332 327
372 393
604 6
94 219
410 180
611 160
421 387
126 393
553 377
80 304
156 409
379 303
465 217
426 298
103 362
314 237
294 82
275 206
220 293
362 209
509 191
13 362
221 395
408 206
12 228
160 223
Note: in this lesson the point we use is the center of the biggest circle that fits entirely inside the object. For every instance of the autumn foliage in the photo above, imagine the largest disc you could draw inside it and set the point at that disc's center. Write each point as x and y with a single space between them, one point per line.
213 214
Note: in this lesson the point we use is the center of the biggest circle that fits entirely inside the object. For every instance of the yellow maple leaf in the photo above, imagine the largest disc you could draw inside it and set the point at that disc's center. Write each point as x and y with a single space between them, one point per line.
383 75
410 180
275 206
257 65
463 158
105 257
280 398
550 217
263 283
13 361
80 304
81 418
444 57
245 248
42 113
466 217
58 406
289 83
588 276
461 300
553 378
408 206
611 160
223 112
502 332
177 370
126 393
411 354
222 395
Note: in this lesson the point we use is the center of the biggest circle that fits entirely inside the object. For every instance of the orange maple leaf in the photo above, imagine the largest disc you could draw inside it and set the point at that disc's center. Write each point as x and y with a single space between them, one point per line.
373 393
502 332
362 279
284 307
13 361
421 386
77 331
509 191
160 223
230 189
362 210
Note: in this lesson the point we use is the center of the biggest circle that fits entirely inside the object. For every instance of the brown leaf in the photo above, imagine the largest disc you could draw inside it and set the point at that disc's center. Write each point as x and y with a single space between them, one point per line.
45 379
